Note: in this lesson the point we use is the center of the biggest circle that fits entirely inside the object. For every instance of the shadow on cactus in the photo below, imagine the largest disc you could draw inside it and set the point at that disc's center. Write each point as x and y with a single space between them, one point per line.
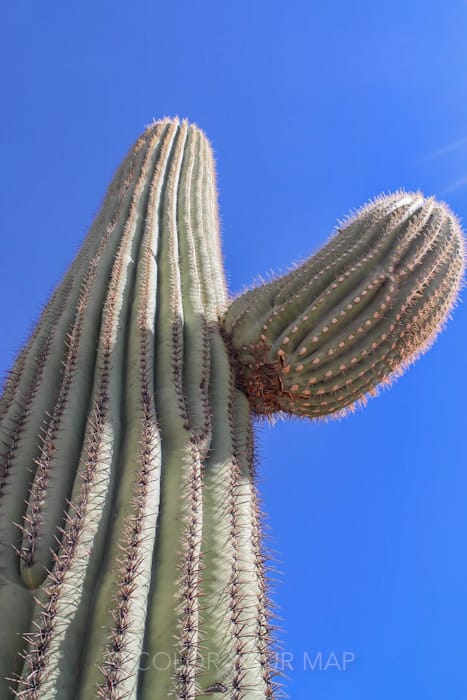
131 560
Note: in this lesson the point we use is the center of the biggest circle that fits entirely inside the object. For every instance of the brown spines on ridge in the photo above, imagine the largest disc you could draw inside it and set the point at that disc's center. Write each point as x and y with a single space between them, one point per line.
318 340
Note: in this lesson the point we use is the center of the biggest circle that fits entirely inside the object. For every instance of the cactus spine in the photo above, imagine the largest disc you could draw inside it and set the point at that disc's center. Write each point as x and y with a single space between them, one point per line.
132 564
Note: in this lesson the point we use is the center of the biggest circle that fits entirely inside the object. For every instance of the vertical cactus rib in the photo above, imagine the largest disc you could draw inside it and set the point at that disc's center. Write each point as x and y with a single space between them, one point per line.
132 563
265 631
188 580
168 626
217 650
246 584
208 245
131 544
195 376
195 340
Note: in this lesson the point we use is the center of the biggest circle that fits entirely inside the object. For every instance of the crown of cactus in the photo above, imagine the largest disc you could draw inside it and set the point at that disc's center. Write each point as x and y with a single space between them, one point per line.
131 560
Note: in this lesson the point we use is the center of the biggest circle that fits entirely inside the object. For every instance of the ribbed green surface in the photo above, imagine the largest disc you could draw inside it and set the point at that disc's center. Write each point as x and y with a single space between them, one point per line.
323 337
125 460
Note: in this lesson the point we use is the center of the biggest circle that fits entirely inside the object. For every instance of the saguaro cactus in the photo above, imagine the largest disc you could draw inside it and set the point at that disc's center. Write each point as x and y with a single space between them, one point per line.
132 563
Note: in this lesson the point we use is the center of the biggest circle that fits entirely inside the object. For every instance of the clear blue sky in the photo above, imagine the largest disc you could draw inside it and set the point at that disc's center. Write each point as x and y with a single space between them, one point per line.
312 108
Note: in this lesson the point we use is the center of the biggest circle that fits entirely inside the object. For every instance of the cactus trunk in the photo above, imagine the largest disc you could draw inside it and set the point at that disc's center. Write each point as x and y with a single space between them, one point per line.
131 560
143 511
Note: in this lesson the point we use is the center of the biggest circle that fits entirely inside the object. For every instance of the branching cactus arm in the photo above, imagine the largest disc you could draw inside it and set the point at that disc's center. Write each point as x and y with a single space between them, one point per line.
131 556
319 340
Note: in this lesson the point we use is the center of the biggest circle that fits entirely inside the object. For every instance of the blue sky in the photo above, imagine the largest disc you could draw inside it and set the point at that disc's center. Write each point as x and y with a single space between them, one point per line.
312 109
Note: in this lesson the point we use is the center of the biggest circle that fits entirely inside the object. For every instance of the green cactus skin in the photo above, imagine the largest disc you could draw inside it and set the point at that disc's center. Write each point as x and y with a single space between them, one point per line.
132 563
140 497
317 341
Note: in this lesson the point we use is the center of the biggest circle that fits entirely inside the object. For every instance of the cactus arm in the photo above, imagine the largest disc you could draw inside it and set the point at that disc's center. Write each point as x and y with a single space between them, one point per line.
321 338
